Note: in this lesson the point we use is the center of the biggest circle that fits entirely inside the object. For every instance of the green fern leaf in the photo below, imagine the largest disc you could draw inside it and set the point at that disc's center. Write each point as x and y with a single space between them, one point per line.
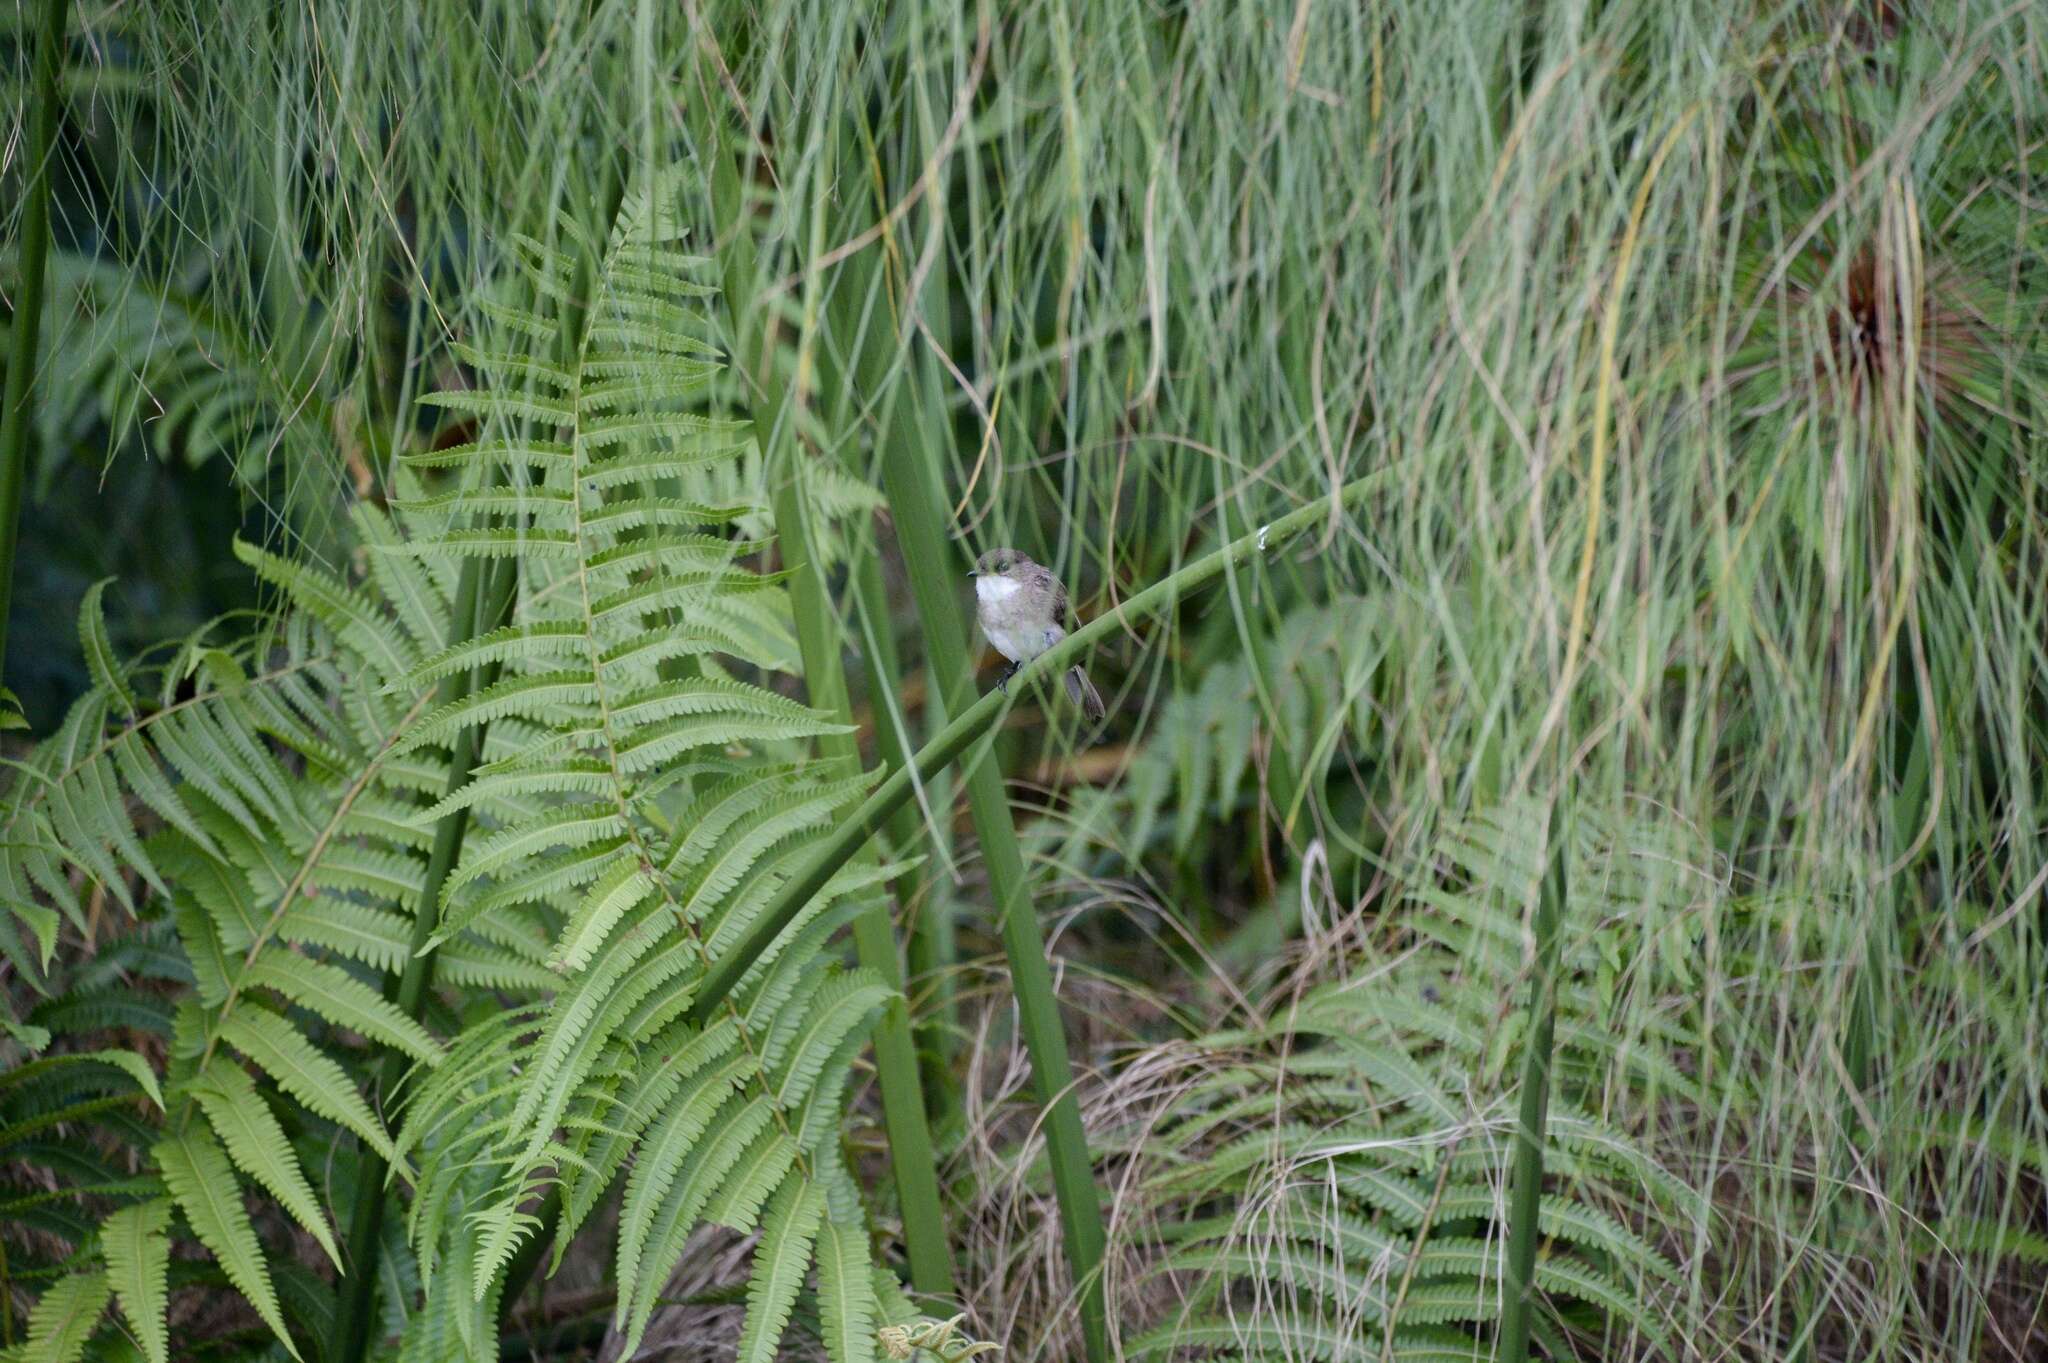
100 661
530 775
551 508
574 687
643 338
474 966
198 1175
531 639
620 890
846 1295
139 1262
258 1145
342 999
420 603
357 931
203 952
669 1226
128 1062
141 774
1355 1287
498 1231
757 1174
627 567
656 1092
64 1316
518 319
495 542
662 1156
836 1009
559 828
342 609
670 591
502 366
578 1025
305 1072
542 454
1591 1228
511 408
781 1260
540 881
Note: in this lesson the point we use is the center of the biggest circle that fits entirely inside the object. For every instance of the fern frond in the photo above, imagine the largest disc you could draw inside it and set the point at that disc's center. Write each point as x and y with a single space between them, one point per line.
341 608
638 802
760 1170
304 1071
669 1224
284 859
358 932
199 1178
787 1234
652 1091
138 1255
127 1062
342 999
62 1322
846 1296
625 887
259 1147
663 1154
834 1010
560 637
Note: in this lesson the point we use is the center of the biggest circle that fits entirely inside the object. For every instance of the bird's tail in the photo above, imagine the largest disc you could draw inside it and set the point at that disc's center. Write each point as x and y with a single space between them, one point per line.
1083 693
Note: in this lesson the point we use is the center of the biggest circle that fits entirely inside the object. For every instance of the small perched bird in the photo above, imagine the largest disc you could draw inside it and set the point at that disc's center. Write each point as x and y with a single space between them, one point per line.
1023 611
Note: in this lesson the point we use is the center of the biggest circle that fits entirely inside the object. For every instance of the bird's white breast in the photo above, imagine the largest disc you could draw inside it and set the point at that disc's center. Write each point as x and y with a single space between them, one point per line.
1003 620
993 590
1018 645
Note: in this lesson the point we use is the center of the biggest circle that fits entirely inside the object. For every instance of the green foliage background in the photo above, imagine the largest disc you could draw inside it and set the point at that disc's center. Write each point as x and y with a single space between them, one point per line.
1697 349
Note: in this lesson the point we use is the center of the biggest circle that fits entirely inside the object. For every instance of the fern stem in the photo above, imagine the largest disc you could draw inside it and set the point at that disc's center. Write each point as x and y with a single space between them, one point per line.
409 989
911 1158
34 255
1527 1194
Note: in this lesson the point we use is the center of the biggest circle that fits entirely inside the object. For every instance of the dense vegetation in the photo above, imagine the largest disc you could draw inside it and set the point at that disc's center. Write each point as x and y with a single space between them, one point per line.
510 850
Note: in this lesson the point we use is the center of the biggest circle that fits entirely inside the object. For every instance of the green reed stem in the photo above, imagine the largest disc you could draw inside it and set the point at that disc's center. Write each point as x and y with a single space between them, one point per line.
911 1158
17 409
936 574
929 946
1527 1193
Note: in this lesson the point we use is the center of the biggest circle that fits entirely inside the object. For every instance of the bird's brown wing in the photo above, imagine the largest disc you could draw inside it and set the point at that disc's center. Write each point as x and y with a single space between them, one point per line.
1043 574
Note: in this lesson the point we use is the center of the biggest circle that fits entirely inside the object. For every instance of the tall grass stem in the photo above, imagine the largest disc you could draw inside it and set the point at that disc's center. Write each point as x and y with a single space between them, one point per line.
18 412
1538 1031
819 630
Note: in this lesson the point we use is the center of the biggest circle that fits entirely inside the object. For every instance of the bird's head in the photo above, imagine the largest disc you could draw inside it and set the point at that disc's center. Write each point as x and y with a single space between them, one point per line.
998 563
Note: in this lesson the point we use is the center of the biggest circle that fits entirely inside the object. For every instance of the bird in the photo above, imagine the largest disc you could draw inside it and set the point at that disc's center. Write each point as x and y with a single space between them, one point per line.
1023 610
